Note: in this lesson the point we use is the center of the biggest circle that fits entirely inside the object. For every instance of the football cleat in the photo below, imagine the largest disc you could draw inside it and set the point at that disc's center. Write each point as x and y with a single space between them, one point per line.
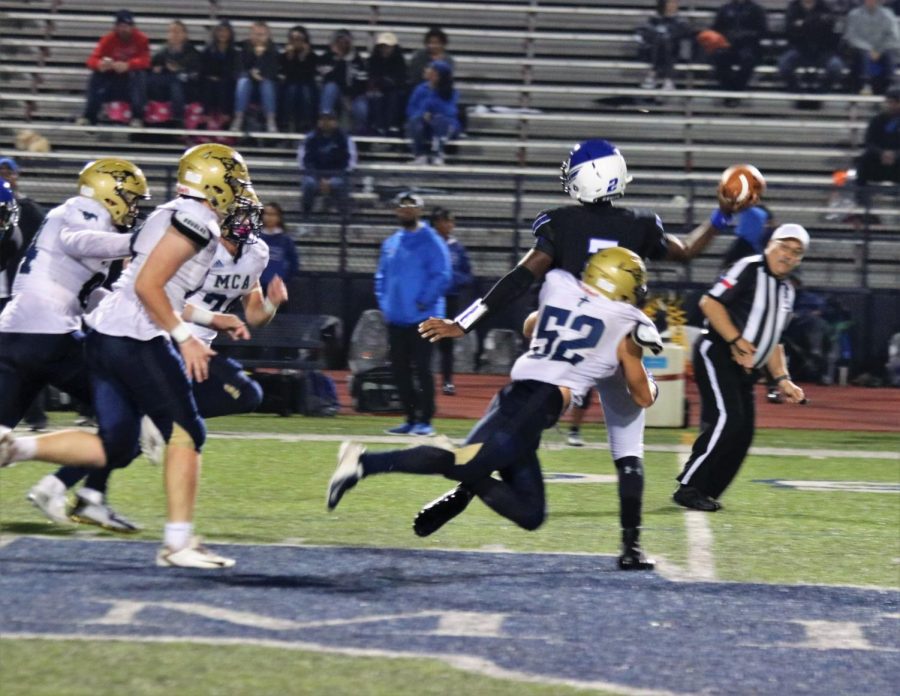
7 441
440 511
153 446
49 496
574 439
348 473
633 557
192 556
690 497
91 508
404 429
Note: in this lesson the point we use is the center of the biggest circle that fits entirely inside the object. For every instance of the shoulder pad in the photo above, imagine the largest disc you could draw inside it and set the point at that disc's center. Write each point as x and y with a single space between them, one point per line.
646 336
192 228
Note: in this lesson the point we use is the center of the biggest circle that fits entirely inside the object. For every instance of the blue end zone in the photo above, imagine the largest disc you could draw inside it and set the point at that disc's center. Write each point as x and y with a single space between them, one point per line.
559 616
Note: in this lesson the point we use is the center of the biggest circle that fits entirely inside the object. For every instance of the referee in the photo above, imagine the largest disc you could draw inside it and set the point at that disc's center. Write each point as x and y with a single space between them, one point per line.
746 312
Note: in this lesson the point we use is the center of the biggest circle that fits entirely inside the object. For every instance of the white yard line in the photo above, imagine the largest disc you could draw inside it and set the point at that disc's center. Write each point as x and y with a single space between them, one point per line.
700 560
677 449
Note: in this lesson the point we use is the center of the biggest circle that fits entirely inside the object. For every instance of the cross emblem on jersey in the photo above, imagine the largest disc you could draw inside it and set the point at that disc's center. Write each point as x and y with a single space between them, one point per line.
583 300
88 216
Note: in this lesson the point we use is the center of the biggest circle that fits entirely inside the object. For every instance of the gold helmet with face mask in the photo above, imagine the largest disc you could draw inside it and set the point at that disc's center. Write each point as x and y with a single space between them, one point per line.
215 173
117 185
618 274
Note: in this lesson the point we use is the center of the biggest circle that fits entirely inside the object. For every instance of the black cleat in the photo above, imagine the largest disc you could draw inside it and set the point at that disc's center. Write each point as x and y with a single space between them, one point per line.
689 497
633 557
439 512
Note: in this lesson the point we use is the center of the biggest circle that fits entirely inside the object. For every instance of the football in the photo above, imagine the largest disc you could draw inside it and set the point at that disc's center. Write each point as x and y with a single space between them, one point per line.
741 186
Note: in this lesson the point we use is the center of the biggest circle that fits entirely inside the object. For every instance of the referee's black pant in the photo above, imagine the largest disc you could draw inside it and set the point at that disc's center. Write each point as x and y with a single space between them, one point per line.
727 419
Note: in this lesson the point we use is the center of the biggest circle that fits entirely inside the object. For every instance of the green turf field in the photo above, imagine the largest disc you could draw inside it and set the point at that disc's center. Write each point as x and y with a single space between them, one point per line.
271 490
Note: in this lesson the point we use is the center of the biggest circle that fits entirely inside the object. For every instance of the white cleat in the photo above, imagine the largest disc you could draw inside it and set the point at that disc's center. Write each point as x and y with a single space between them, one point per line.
49 496
91 508
153 445
574 439
7 440
192 556
348 473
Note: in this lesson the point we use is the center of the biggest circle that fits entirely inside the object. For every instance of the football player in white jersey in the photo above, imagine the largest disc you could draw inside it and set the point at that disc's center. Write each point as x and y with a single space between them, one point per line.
234 276
583 331
40 328
143 355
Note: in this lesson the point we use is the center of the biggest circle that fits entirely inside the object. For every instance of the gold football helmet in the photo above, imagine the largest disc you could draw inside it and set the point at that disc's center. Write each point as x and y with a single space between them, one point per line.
618 274
216 173
117 184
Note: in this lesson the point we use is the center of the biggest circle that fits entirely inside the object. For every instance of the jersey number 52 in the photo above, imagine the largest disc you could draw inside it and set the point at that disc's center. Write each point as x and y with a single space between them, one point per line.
571 350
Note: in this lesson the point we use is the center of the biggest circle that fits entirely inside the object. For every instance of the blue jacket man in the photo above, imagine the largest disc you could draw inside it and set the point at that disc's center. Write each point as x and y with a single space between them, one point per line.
413 274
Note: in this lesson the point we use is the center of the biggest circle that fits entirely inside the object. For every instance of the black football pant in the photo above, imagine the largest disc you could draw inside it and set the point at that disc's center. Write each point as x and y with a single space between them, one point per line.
411 355
509 434
727 419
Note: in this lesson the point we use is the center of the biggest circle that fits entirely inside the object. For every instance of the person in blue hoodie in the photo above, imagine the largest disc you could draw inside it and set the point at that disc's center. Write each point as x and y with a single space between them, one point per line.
413 274
431 114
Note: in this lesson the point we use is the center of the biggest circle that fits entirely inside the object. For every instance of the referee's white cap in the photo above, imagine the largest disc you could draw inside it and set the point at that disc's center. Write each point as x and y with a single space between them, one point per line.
792 231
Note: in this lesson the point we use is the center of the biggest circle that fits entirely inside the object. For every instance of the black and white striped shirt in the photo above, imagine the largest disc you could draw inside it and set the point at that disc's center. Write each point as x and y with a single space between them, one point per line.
759 304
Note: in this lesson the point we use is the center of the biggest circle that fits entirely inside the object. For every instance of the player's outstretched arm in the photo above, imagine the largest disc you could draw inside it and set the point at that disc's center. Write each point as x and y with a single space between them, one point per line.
533 266
260 309
641 386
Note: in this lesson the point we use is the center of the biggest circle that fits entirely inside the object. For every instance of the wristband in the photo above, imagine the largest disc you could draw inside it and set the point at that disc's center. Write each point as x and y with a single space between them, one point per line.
269 307
471 314
735 339
201 316
782 378
181 333
720 220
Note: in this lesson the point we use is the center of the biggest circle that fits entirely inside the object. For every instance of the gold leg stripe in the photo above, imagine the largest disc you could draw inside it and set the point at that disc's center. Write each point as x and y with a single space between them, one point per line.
466 454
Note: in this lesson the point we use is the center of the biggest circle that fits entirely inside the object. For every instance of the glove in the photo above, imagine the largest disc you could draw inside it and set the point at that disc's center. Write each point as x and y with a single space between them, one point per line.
646 336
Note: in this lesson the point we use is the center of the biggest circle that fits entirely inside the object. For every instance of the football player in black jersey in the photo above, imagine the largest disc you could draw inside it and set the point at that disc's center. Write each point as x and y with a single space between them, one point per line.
594 174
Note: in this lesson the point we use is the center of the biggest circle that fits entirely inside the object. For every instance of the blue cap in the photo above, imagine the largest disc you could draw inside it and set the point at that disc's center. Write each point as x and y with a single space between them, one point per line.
124 17
9 162
442 66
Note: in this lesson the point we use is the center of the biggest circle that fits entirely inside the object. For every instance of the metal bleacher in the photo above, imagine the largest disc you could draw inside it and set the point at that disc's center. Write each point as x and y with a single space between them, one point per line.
536 77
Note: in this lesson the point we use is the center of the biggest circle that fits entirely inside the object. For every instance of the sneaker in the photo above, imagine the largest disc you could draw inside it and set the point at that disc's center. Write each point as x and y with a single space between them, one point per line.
404 429
449 389
690 497
7 440
38 426
574 439
419 160
91 508
192 556
437 161
348 473
237 123
649 82
135 123
153 446
633 557
49 496
423 430
86 422
82 121
440 511
668 84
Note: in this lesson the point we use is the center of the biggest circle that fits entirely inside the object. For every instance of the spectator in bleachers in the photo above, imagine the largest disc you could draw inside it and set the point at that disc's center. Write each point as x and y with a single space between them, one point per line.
283 259
387 85
743 24
300 93
435 48
344 81
174 69
119 65
326 158
871 36
880 161
218 75
259 74
444 222
812 43
431 114
663 40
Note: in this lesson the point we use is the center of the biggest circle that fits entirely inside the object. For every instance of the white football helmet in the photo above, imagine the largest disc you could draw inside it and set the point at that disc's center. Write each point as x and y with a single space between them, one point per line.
595 171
